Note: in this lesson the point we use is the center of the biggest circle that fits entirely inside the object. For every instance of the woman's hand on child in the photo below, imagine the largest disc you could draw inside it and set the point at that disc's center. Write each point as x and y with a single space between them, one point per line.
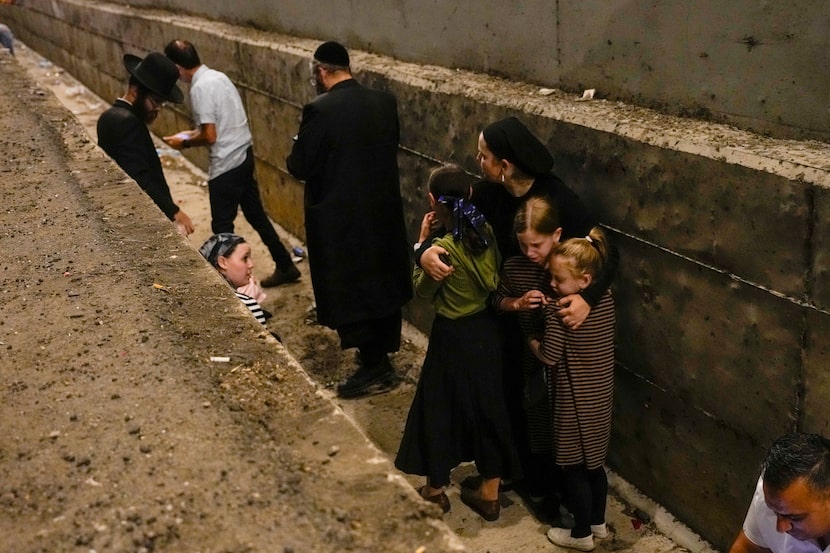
432 264
574 310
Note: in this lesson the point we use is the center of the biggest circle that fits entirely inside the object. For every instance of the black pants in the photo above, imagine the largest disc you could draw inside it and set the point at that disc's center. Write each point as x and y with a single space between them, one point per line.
586 492
238 188
374 338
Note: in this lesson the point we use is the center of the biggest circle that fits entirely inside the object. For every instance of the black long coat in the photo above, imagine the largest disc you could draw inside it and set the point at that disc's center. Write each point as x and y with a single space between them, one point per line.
126 139
346 152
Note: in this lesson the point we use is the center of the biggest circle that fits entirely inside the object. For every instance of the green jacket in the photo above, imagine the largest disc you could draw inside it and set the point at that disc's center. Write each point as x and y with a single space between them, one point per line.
465 291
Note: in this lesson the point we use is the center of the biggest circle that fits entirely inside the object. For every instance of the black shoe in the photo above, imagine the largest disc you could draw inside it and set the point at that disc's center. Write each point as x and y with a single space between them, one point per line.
368 381
291 274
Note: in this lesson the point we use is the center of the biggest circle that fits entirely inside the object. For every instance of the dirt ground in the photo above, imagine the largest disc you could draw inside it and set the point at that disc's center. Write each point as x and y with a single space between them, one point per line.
120 433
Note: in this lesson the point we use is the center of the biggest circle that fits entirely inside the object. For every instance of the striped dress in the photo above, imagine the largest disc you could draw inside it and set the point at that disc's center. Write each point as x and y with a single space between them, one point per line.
583 361
520 275
252 305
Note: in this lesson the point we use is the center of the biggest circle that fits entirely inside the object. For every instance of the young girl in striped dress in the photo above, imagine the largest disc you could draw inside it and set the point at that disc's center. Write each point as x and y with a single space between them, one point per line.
582 361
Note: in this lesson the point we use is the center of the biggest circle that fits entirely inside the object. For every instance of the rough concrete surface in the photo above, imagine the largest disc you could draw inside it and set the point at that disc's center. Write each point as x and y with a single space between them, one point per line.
741 61
121 435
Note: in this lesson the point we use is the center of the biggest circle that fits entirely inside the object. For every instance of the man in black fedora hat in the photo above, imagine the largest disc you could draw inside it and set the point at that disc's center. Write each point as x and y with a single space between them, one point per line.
123 132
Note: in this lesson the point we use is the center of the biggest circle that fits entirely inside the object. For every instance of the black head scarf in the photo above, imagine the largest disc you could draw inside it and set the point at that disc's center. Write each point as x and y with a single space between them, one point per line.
509 139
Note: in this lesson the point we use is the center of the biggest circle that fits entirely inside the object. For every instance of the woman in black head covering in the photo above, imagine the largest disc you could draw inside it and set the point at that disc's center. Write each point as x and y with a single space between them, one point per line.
517 166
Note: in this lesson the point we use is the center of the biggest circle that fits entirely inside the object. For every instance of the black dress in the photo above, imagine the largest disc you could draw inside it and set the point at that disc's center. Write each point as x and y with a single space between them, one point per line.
444 427
458 413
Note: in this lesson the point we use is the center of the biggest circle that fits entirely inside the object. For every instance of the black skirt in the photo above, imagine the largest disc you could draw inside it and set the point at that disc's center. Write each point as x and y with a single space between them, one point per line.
458 412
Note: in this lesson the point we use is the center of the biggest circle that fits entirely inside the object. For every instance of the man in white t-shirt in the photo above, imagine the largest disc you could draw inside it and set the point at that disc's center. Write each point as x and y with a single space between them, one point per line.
221 125
790 511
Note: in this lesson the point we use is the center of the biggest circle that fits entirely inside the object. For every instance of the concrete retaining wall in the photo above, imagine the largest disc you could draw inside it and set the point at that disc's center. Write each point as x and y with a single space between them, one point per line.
759 65
723 309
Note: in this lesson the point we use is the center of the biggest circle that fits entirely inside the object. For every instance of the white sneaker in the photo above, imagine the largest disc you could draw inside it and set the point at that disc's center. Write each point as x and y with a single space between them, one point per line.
562 538
600 531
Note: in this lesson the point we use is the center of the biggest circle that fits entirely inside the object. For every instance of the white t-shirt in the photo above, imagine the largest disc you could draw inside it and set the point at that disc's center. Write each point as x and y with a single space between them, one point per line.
760 524
215 100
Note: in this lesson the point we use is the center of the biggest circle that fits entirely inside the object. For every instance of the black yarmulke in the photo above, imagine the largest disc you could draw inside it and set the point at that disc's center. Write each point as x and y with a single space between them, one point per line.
332 53
509 139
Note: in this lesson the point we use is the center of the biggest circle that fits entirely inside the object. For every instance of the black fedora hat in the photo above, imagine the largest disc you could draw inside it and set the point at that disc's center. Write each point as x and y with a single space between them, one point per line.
157 73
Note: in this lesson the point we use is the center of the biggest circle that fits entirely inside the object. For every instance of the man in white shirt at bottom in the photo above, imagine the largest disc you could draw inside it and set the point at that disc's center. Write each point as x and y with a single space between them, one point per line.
790 511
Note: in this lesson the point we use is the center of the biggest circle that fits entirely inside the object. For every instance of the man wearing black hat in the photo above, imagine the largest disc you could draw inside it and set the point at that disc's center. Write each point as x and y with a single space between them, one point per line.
346 152
123 132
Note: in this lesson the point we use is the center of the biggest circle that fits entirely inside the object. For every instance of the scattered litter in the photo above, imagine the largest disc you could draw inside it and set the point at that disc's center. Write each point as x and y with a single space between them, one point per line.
92 482
219 359
588 94
75 90
642 515
44 63
161 287
299 254
546 91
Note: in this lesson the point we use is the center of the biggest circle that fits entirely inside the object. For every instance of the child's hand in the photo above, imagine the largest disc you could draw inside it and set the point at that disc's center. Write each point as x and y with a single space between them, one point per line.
532 299
426 226
535 347
253 290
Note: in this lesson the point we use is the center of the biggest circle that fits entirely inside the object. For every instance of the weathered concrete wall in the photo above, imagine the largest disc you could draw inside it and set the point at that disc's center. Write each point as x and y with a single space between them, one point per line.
723 308
760 65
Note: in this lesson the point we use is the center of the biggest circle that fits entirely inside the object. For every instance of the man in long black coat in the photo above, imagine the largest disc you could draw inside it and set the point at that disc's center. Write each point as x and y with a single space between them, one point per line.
123 132
346 152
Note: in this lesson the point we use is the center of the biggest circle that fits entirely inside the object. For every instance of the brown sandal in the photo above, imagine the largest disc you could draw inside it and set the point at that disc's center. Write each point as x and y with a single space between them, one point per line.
487 508
439 499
